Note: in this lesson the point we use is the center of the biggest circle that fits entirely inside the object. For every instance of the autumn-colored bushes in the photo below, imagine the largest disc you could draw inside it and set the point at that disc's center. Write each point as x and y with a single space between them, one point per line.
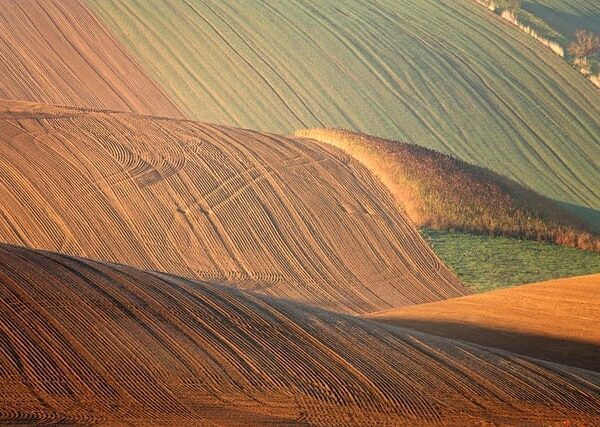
439 191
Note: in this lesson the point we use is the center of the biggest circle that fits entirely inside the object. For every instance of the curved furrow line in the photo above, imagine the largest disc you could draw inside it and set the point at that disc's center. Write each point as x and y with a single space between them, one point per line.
291 219
544 151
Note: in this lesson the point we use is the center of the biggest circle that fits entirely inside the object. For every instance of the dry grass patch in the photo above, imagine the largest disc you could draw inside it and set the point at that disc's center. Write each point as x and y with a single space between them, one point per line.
439 191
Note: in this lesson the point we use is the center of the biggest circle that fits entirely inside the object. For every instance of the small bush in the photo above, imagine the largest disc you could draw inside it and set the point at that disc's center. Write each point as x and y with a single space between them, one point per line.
586 43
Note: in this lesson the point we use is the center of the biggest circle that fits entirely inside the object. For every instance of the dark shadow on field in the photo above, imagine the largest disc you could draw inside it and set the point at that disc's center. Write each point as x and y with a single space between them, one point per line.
574 353
564 23
589 215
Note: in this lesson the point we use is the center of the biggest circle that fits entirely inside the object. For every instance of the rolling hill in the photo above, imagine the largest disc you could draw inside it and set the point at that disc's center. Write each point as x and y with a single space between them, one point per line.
284 216
450 76
159 269
57 52
557 320
473 218
91 343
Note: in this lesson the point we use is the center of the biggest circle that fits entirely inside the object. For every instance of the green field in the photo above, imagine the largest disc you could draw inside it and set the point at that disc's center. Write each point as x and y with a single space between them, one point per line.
451 76
488 263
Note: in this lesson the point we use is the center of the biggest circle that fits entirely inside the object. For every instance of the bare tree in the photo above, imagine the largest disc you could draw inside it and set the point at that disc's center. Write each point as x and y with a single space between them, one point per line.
586 43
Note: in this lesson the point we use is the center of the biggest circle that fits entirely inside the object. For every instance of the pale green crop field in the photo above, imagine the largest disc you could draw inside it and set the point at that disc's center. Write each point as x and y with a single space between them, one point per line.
448 75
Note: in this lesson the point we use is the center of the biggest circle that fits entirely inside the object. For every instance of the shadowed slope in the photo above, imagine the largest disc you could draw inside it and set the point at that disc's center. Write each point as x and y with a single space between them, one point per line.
448 75
55 51
439 191
567 16
558 320
86 342
283 216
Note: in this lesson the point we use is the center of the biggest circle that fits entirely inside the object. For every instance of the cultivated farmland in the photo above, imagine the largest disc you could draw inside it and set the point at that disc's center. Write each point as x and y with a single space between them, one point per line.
282 216
567 17
451 76
171 255
557 320
57 52
90 343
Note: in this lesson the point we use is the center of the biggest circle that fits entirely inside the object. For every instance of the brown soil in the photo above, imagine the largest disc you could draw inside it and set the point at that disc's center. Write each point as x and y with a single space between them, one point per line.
87 342
557 320
56 52
277 215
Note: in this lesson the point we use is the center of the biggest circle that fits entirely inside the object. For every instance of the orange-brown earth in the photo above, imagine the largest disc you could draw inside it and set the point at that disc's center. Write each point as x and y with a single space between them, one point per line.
286 221
56 52
284 216
88 342
557 320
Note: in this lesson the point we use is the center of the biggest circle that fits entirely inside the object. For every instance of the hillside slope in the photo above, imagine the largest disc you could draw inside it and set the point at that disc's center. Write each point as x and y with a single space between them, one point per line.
178 352
284 216
557 320
56 52
447 75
